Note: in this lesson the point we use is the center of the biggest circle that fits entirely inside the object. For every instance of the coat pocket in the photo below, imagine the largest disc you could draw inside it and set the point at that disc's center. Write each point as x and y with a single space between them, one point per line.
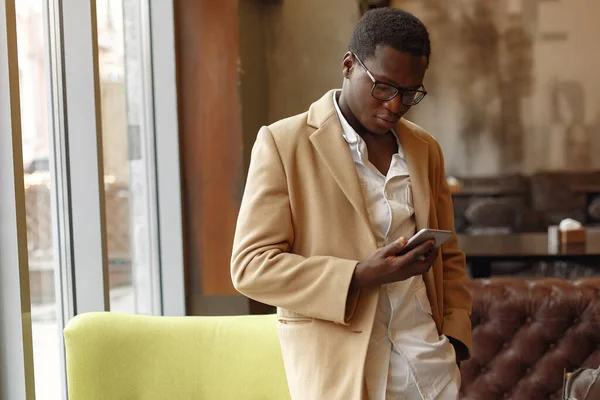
287 317
294 320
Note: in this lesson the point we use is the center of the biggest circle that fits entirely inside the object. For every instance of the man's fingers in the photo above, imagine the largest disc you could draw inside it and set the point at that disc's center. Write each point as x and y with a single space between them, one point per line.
431 256
433 253
417 254
394 248
422 265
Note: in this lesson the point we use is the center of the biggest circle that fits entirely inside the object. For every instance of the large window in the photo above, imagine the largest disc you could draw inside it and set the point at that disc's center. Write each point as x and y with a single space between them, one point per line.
91 212
128 141
39 191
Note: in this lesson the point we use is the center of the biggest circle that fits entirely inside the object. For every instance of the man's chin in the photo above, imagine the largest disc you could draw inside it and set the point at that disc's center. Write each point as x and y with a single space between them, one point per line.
380 129
383 125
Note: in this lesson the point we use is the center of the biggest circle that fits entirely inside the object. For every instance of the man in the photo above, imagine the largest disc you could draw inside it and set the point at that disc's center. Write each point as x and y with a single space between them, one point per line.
331 196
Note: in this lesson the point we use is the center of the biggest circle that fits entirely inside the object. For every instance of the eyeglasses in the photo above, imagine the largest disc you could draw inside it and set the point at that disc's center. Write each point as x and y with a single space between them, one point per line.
386 92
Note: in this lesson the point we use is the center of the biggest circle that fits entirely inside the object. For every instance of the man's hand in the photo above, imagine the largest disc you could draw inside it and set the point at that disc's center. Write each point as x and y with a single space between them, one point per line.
385 265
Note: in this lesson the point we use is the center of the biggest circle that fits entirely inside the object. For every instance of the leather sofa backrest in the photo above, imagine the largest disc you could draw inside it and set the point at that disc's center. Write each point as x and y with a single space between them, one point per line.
526 332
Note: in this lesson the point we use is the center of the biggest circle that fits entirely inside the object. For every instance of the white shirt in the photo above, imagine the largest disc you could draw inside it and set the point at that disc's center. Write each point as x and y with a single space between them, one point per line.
405 348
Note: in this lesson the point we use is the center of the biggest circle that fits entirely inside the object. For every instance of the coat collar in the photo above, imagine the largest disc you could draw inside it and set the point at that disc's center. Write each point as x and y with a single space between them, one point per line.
329 143
416 152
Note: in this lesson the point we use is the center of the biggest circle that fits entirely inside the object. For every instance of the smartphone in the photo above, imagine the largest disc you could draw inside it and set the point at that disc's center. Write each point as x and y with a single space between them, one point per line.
424 235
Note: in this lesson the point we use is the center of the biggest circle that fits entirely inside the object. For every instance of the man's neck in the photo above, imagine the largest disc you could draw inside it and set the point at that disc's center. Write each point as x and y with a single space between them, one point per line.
349 116
356 125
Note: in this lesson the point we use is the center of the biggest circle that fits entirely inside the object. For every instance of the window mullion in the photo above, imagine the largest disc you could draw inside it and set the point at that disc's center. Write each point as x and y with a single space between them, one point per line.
16 348
82 137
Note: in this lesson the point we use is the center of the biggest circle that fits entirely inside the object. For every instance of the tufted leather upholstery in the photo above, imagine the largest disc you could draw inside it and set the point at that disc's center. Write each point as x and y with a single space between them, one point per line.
526 332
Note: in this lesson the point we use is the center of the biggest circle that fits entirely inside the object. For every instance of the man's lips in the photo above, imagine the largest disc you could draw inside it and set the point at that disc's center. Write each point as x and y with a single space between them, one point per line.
389 121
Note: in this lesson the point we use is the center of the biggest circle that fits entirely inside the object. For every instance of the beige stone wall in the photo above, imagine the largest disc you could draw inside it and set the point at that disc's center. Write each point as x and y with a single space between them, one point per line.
566 102
513 84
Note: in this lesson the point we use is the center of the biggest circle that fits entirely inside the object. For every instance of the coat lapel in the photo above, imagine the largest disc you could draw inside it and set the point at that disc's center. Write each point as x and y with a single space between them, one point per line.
329 143
416 151
334 151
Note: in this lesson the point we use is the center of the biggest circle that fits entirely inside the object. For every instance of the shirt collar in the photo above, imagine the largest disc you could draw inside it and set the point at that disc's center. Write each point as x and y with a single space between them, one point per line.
350 134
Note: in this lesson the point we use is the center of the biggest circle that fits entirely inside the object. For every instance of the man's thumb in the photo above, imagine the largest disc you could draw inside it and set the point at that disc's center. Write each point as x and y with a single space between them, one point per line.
395 247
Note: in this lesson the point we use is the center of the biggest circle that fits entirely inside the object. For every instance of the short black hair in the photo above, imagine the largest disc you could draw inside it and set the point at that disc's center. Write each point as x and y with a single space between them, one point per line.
391 27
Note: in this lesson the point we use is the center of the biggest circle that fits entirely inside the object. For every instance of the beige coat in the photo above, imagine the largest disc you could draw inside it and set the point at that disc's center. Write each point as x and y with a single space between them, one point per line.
302 228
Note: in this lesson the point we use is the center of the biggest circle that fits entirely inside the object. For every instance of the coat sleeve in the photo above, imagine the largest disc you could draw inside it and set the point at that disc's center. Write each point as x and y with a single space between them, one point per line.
262 266
457 298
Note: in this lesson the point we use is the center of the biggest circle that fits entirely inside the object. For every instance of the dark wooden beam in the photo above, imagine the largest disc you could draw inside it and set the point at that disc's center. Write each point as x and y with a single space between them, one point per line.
211 140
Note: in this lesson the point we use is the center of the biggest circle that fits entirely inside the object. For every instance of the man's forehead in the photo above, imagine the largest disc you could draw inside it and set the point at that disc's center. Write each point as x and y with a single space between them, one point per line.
392 66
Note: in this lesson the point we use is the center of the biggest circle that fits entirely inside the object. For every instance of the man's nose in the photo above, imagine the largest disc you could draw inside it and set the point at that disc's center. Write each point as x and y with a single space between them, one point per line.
395 106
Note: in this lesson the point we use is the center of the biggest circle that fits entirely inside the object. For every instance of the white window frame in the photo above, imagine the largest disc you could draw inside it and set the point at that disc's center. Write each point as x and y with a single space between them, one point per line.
84 152
77 168
16 347
168 175
82 138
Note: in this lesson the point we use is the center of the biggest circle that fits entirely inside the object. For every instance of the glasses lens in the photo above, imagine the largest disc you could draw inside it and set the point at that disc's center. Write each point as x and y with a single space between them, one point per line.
412 97
382 91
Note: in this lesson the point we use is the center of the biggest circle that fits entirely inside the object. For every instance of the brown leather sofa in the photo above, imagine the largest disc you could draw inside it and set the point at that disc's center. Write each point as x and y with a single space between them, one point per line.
526 332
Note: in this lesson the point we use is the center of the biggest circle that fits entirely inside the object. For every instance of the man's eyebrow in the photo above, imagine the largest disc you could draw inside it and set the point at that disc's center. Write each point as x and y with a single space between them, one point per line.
385 79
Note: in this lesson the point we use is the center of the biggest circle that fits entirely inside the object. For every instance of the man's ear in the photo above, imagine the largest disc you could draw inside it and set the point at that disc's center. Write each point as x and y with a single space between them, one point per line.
348 65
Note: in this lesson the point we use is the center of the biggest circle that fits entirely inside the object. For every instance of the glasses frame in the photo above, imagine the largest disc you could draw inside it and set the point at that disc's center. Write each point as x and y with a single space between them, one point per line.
399 90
